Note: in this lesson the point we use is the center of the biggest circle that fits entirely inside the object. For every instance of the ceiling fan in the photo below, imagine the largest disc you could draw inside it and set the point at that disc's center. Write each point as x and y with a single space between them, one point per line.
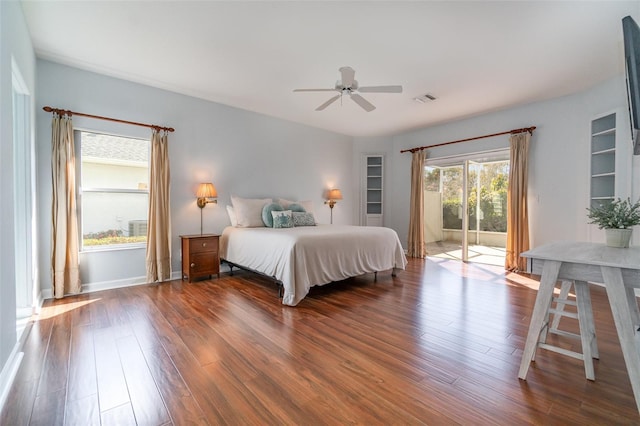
349 86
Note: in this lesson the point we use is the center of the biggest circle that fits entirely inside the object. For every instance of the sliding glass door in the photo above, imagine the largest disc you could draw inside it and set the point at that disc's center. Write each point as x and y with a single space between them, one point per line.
465 207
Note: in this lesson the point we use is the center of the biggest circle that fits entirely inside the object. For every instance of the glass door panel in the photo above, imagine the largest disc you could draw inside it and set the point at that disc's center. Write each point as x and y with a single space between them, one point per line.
469 222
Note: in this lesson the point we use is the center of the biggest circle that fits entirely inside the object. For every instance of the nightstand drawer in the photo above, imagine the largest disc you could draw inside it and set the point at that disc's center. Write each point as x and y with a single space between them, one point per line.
203 245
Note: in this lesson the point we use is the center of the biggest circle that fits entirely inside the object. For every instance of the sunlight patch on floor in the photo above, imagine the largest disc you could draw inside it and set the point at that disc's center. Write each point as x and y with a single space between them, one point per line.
477 253
60 308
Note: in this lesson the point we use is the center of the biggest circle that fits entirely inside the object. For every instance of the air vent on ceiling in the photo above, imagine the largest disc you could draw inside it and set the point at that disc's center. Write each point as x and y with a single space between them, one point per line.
424 98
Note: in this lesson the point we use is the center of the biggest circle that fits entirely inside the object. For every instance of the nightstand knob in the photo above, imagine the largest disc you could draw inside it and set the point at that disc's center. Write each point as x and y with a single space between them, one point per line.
193 265
204 244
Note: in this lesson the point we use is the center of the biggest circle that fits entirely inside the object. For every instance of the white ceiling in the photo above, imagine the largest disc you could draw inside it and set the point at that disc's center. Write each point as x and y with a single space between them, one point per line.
474 56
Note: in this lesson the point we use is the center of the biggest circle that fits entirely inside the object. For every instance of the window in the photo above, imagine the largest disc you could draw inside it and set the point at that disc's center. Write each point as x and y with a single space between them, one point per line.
114 190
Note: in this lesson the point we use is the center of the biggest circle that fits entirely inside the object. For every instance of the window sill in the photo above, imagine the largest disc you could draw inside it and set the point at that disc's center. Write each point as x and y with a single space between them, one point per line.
120 247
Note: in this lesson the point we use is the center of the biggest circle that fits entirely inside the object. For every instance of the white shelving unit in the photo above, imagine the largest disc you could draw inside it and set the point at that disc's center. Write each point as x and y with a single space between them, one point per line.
610 162
603 160
374 189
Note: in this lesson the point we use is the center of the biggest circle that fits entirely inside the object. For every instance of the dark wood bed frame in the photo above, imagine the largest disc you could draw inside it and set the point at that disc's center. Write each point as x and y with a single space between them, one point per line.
269 277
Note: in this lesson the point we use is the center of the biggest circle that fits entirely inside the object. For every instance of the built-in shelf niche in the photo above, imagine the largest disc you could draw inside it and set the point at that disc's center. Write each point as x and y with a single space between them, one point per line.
373 197
603 160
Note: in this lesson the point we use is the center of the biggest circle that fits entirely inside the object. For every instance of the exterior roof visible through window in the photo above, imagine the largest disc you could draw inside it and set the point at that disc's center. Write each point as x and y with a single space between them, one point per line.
114 147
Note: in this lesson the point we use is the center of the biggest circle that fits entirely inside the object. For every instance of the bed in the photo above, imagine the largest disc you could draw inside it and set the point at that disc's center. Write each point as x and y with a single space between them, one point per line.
302 257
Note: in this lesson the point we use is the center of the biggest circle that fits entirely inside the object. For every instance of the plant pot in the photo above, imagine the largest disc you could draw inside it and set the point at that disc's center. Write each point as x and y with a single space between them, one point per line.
618 237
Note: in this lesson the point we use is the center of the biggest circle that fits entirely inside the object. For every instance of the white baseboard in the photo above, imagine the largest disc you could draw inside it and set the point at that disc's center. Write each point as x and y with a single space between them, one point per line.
109 285
39 302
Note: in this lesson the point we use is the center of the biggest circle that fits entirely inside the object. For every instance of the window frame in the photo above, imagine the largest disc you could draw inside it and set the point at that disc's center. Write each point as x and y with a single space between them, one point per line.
80 190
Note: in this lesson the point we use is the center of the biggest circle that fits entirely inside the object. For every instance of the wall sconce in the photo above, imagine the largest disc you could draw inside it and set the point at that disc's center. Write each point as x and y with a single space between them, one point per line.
332 198
204 192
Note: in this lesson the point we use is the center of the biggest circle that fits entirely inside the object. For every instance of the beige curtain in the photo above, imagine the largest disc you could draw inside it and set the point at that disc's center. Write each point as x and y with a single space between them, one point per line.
517 210
64 239
159 219
416 212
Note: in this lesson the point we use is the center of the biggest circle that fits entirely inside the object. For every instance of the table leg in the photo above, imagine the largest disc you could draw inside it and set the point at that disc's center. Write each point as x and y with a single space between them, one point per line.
585 300
587 331
540 310
623 316
633 306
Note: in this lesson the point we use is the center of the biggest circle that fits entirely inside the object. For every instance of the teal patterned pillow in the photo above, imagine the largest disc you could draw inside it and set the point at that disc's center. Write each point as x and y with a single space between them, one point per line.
282 219
267 218
303 219
296 208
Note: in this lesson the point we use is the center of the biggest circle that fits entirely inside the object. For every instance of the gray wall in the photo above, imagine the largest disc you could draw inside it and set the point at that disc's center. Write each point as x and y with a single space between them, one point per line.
559 158
242 153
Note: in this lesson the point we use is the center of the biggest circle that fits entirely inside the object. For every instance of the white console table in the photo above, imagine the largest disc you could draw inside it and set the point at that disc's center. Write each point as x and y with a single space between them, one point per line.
617 268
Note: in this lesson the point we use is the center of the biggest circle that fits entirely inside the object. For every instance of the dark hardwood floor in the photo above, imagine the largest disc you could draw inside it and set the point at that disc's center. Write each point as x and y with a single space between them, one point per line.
439 344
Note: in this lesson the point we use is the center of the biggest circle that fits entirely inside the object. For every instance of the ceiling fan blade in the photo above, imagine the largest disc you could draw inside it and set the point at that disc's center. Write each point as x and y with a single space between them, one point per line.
365 104
329 102
380 89
314 90
348 75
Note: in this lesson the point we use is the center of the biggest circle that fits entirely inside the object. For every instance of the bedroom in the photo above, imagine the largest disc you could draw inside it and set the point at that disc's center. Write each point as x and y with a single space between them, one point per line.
219 143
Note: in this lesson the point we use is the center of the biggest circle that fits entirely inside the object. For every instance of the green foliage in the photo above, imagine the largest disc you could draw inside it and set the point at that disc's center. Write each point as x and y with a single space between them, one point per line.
450 219
110 233
109 237
432 179
113 240
620 214
493 196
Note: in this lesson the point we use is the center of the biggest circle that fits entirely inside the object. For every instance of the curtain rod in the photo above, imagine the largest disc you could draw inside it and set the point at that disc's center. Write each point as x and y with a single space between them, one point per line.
513 132
68 112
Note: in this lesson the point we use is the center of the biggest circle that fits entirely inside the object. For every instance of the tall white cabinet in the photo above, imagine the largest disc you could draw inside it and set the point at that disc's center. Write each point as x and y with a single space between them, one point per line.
373 179
610 162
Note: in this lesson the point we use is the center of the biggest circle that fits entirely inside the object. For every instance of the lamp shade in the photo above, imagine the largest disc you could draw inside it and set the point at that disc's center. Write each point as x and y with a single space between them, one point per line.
334 194
206 190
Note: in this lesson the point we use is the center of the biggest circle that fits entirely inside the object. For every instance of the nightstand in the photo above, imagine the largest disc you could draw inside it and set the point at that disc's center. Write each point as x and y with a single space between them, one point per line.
200 256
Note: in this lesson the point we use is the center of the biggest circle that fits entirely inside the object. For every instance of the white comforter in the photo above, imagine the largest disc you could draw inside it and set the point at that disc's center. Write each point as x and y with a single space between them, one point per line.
306 256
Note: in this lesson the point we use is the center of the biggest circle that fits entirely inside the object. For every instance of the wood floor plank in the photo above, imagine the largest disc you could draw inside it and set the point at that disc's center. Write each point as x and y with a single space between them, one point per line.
112 386
18 407
49 409
209 397
121 415
85 411
56 362
439 344
82 372
181 405
146 400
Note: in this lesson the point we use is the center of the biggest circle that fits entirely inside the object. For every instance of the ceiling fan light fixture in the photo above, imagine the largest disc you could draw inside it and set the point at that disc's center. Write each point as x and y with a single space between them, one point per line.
347 85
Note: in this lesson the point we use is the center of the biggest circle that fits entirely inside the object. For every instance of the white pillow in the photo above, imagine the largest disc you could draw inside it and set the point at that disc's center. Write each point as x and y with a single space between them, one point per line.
249 211
307 204
232 216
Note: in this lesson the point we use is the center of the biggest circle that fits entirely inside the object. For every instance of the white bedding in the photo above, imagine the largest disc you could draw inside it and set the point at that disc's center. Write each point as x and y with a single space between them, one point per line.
306 256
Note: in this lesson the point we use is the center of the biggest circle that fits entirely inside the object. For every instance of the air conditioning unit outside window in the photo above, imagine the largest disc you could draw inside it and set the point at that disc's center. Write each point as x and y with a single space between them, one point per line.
137 228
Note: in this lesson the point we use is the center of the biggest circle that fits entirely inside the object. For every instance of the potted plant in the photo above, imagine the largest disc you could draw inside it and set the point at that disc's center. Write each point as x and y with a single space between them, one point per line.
616 218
